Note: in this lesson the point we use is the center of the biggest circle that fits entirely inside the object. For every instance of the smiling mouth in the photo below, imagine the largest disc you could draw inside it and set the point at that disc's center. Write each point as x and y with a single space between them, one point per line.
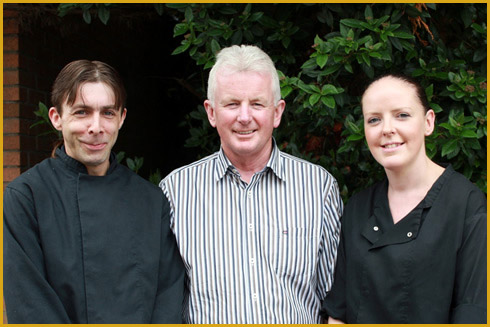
244 132
97 146
392 145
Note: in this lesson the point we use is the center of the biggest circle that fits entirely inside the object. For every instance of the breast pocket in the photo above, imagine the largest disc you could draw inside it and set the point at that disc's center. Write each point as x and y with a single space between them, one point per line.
293 251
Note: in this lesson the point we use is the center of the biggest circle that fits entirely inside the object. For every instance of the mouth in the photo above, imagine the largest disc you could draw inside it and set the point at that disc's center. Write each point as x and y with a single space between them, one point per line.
390 146
95 146
244 132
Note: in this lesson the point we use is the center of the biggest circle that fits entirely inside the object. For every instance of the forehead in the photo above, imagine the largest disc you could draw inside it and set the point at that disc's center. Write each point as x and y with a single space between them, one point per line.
245 83
389 91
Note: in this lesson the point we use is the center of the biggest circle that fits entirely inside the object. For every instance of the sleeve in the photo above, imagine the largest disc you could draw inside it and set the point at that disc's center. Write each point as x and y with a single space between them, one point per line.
470 292
332 211
170 294
29 298
334 304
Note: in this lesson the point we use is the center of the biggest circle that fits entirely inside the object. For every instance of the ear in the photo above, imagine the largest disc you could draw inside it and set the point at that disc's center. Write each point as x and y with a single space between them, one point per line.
123 117
211 112
55 118
278 110
430 118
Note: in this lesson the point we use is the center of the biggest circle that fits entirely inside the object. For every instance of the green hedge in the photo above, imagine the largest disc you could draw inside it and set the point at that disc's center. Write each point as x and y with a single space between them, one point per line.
326 53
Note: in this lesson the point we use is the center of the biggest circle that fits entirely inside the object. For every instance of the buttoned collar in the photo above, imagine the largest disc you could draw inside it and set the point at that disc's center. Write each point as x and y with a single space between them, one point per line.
77 166
406 229
224 165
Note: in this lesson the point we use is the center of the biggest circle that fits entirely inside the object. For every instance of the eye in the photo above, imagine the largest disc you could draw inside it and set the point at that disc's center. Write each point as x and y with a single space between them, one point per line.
257 105
403 115
373 120
110 113
80 112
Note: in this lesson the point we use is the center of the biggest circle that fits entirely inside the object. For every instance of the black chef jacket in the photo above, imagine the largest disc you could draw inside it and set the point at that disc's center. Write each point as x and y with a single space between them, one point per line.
89 249
430 267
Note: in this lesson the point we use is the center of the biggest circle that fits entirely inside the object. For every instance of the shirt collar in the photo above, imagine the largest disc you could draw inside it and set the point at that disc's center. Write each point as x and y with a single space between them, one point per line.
275 163
77 165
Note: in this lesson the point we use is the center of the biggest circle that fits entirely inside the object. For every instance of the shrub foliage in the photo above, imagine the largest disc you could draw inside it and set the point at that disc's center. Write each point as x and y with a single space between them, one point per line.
326 54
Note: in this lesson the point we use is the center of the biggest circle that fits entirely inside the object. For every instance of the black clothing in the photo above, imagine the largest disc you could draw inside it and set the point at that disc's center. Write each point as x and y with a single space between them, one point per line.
430 267
89 249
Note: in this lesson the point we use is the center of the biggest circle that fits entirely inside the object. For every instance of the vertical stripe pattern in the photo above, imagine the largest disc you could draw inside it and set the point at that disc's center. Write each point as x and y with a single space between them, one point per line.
262 252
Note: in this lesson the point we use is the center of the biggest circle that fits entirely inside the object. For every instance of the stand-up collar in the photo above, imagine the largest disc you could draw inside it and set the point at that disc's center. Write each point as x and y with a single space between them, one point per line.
77 166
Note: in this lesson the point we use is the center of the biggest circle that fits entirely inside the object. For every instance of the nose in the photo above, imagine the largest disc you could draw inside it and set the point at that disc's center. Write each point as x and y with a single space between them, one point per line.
244 114
388 128
95 124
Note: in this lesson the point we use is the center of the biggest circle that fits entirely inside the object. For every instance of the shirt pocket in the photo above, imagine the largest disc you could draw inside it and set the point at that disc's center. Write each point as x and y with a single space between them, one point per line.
293 251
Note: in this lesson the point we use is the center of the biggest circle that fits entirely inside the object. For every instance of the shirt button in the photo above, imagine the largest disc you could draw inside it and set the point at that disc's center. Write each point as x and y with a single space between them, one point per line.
252 261
249 194
376 228
254 296
409 234
250 226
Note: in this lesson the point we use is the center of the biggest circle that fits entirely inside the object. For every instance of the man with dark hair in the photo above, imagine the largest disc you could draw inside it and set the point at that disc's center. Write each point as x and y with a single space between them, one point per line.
85 239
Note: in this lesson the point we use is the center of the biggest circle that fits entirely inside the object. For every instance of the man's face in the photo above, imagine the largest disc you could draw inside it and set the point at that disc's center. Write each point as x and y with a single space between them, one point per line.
90 126
244 114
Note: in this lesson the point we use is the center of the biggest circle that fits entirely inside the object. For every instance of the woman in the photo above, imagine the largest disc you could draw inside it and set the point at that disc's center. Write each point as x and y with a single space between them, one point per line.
413 247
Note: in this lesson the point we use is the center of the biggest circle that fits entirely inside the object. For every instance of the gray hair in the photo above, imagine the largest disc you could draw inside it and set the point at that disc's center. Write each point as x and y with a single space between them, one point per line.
244 58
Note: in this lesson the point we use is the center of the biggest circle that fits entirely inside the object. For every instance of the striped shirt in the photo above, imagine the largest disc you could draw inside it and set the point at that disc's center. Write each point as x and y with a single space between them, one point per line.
262 252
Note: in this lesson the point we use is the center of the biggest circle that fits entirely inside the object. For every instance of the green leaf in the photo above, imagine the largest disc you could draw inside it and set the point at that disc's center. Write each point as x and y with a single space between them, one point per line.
368 13
351 22
104 14
469 133
321 60
181 48
285 91
180 29
329 101
450 147
215 47
87 17
314 98
189 15
348 67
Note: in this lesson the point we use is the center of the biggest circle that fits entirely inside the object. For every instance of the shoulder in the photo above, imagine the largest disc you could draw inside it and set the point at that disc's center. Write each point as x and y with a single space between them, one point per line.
201 164
459 191
137 182
296 164
33 177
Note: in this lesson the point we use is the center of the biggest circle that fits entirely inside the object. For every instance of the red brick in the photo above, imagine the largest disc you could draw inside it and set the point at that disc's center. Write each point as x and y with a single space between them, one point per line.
10 26
12 158
11 43
10 173
11 93
16 125
9 13
10 77
10 60
11 110
11 142
11 125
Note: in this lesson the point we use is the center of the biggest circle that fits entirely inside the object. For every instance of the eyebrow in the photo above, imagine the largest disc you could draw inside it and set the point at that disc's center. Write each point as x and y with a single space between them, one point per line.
84 106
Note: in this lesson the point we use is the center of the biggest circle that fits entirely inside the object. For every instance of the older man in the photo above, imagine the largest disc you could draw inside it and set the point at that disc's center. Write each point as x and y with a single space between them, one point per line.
85 239
257 228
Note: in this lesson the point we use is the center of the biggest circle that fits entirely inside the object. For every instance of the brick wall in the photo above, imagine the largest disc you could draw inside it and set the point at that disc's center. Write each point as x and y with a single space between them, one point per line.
25 83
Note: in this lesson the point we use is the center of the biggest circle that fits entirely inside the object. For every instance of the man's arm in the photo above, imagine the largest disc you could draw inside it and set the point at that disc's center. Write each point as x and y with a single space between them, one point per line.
332 211
170 293
29 297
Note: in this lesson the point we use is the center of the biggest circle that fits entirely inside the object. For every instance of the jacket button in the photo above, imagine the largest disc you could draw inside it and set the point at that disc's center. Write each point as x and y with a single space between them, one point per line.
409 234
376 228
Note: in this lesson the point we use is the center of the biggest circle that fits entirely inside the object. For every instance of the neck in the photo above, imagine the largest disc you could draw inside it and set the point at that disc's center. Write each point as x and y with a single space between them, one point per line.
99 170
421 175
247 166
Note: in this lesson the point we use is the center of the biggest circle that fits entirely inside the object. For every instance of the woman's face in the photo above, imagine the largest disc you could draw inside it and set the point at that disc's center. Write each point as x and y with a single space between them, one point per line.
395 123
